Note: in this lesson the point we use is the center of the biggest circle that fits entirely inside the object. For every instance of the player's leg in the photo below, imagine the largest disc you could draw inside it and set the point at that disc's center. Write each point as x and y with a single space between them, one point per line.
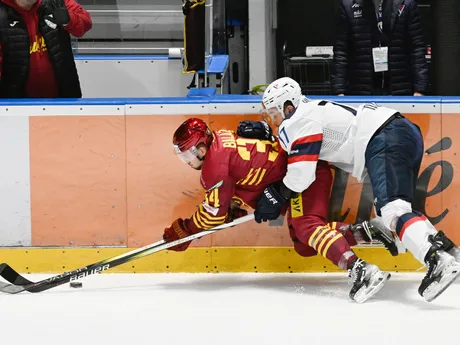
440 238
393 159
307 219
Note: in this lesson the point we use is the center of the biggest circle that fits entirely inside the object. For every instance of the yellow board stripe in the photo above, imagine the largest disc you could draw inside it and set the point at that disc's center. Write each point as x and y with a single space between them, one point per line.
330 244
197 259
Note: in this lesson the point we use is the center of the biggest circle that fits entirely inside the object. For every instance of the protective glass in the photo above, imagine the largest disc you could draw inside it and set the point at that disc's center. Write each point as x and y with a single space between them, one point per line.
187 156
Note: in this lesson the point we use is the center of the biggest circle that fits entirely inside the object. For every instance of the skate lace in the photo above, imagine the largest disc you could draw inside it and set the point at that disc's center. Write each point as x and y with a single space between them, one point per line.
353 273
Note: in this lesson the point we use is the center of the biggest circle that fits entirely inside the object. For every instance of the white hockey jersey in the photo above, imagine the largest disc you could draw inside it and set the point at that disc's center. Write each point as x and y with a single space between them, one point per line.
331 132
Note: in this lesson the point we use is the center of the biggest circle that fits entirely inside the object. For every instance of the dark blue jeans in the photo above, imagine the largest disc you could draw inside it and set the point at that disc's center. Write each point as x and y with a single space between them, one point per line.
393 158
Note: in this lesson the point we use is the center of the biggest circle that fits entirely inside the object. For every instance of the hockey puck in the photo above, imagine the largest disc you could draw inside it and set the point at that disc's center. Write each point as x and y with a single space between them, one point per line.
76 285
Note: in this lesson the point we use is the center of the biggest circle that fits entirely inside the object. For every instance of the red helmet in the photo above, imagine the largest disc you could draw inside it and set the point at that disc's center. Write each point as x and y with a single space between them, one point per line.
189 135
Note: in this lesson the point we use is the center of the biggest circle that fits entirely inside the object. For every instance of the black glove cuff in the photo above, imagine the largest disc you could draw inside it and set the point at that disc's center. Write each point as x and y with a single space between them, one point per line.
286 193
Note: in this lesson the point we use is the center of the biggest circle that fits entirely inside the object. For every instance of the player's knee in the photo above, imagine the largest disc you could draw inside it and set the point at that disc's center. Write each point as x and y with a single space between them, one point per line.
304 249
393 210
305 227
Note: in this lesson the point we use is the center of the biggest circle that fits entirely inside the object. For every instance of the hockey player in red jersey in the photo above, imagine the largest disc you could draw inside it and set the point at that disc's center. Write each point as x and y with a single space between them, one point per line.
235 171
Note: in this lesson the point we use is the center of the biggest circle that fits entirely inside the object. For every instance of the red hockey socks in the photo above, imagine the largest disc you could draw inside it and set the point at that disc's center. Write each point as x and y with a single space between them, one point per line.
332 245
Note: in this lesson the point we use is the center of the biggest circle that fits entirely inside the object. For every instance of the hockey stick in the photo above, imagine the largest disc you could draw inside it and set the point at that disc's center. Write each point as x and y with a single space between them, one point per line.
20 284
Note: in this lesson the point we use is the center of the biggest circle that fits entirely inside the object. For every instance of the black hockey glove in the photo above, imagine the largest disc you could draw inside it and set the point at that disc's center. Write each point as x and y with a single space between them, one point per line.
57 12
271 202
255 130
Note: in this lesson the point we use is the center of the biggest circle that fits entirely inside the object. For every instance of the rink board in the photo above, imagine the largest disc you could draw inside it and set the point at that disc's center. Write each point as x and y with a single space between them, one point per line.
199 260
102 173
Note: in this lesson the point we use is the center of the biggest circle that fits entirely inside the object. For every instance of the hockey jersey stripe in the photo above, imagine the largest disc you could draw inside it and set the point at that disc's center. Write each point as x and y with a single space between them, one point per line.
303 158
312 148
307 139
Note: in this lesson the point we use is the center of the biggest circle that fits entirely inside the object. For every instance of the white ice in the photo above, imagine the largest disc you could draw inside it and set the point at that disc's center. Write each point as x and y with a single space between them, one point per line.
228 309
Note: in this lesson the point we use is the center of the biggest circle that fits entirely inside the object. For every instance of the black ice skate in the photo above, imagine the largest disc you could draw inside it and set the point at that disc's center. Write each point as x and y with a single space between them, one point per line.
442 270
367 280
375 230
443 242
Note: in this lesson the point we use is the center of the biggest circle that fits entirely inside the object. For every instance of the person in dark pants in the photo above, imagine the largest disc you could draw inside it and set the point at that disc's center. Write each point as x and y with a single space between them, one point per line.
36 58
379 49
368 140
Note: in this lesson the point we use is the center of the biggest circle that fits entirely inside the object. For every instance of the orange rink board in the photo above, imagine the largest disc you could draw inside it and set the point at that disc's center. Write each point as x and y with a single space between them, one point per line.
112 180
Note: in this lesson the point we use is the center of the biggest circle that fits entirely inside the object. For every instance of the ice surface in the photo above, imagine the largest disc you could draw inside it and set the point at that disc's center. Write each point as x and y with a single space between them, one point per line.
228 309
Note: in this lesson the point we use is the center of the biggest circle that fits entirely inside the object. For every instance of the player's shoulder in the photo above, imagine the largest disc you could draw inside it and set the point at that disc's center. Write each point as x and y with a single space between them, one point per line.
216 164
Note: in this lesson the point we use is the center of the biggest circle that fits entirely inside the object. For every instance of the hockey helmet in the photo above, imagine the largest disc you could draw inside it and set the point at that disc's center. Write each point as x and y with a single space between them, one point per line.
189 136
278 93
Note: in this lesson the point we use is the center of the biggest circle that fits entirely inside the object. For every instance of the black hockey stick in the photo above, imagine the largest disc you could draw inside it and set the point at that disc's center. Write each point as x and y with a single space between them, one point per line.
20 284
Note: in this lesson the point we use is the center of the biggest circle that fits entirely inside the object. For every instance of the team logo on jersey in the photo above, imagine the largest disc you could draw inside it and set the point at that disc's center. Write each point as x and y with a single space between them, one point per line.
401 10
50 23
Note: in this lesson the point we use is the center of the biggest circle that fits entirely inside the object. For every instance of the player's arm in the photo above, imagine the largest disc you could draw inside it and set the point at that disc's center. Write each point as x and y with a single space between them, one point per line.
303 148
80 21
302 142
212 212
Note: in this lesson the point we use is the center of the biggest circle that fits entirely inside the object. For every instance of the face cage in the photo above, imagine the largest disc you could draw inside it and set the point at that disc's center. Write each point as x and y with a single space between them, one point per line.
187 156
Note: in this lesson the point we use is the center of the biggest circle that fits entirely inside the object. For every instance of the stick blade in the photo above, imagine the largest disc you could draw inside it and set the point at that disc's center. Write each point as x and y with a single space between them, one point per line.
11 289
10 275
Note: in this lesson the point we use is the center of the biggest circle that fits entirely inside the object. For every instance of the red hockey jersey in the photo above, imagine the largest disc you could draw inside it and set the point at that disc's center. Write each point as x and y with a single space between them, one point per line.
235 169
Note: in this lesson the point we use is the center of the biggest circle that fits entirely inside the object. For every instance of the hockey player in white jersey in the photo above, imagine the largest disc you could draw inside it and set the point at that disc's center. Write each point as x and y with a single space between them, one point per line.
370 140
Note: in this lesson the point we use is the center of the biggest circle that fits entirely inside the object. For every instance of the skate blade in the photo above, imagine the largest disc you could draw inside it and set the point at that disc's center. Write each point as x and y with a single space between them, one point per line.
451 272
363 294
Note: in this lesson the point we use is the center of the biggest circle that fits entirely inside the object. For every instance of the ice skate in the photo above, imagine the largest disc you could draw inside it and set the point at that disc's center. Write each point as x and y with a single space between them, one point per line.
367 280
442 270
375 230
443 242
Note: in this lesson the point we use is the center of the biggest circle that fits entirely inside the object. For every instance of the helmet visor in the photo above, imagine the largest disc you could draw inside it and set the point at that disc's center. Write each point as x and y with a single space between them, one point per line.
187 156
269 114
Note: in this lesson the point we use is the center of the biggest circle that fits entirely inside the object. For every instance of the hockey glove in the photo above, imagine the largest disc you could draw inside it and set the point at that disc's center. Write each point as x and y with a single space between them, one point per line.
269 205
57 12
176 231
255 130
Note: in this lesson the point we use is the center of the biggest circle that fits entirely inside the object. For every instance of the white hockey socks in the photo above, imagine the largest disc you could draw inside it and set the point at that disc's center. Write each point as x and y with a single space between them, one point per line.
413 231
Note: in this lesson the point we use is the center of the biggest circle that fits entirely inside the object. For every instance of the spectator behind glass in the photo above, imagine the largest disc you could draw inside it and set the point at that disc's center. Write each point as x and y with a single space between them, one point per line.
380 49
36 55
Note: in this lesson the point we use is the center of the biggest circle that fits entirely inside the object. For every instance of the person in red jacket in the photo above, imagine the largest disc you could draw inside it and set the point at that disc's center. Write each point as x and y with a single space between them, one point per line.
36 58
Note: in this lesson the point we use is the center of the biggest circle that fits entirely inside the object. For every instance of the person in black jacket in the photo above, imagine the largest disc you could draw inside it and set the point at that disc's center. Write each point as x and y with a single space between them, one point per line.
380 49
36 58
